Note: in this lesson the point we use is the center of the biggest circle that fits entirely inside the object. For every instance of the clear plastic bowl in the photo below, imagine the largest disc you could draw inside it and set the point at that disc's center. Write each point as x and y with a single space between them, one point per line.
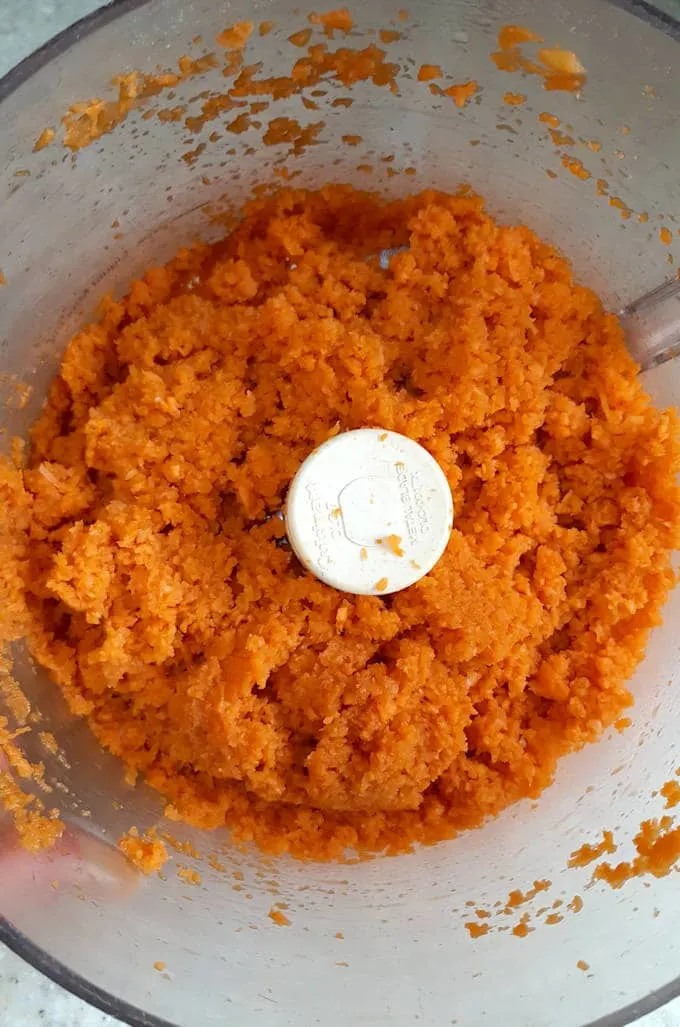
405 956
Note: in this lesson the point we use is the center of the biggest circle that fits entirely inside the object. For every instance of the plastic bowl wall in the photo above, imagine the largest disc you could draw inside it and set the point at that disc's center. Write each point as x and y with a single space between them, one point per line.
405 956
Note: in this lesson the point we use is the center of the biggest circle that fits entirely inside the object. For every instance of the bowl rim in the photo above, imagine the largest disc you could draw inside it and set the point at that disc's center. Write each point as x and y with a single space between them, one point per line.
14 939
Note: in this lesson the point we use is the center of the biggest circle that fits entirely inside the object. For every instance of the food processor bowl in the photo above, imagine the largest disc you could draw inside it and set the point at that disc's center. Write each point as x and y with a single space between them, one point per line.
380 941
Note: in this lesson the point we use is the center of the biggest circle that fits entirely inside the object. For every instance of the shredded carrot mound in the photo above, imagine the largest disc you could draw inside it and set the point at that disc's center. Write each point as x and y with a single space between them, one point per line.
144 565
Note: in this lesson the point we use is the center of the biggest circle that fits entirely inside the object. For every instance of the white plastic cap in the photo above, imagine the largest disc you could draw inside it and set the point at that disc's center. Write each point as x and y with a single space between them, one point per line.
369 512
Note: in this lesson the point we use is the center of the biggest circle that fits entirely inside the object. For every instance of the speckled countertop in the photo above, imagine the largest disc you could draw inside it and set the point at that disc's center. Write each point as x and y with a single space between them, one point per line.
27 999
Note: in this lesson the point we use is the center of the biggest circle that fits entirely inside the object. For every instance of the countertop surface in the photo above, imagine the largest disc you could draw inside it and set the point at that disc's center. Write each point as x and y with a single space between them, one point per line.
27 999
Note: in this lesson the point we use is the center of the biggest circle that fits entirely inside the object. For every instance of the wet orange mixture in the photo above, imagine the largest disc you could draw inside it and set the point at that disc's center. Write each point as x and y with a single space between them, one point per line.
143 562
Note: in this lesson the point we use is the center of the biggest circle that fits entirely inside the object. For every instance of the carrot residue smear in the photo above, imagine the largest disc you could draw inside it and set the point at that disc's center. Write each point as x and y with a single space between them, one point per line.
332 21
279 918
44 139
388 36
658 850
460 94
393 543
427 72
189 875
671 793
36 828
237 36
511 35
289 130
561 138
495 920
518 898
564 70
86 121
476 930
624 210
146 852
140 558
345 64
588 853
300 38
560 69
574 165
